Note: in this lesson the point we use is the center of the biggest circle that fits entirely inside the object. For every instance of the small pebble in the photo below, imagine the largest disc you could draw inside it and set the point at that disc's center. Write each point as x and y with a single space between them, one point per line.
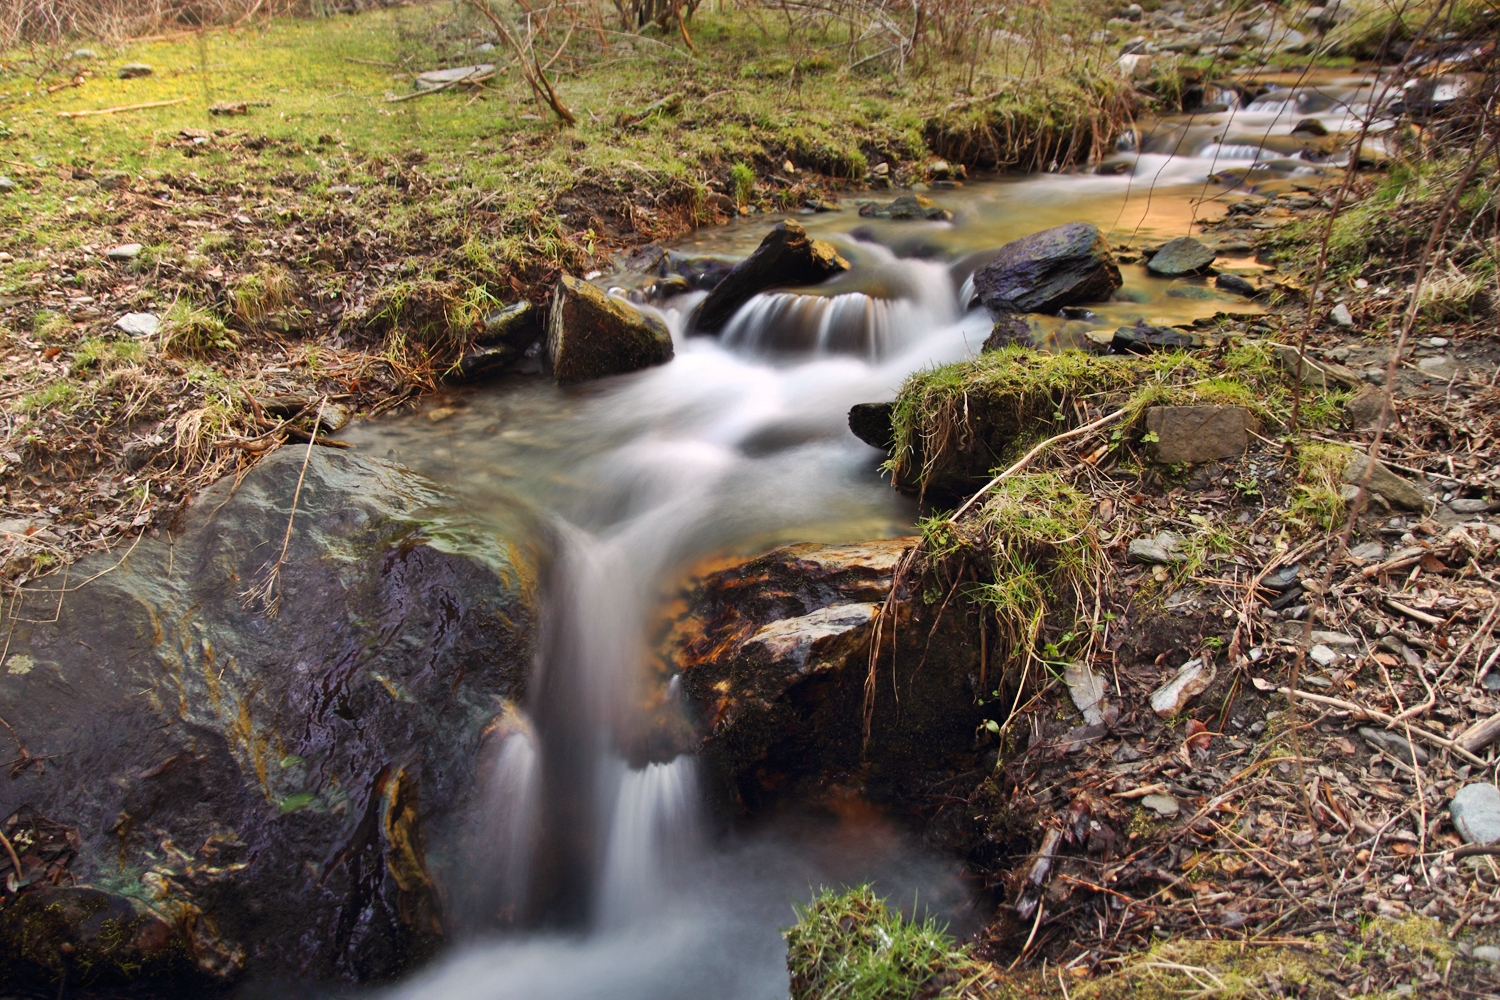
125 251
6 184
1341 315
1476 813
1368 551
1486 953
1437 341
1323 656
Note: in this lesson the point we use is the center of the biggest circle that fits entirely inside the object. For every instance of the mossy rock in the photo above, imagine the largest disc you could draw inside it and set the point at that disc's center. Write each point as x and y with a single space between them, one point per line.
87 937
591 334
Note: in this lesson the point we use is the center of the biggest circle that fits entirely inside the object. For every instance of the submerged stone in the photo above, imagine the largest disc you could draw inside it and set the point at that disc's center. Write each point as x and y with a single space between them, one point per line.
591 334
908 206
1048 270
787 257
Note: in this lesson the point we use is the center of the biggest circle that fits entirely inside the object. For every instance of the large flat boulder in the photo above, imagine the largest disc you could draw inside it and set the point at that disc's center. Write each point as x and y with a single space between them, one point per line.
786 258
1045 271
591 334
774 655
242 793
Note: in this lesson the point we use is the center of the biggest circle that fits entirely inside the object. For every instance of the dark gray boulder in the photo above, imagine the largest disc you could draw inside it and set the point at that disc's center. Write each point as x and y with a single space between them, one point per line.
591 334
255 794
906 208
1183 255
507 334
1236 284
1144 339
1045 271
871 423
787 257
1008 330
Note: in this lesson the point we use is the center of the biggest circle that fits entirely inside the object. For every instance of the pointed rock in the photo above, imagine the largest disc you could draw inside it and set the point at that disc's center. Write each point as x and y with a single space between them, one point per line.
1048 270
786 257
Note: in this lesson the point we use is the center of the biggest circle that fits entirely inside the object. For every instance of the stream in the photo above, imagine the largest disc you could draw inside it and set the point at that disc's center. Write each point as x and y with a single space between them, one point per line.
595 875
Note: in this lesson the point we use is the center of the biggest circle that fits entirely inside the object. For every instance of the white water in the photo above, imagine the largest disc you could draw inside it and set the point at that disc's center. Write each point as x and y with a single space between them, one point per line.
595 877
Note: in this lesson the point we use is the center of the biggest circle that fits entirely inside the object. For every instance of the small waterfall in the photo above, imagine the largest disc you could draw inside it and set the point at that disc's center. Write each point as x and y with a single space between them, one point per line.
903 301
504 834
655 827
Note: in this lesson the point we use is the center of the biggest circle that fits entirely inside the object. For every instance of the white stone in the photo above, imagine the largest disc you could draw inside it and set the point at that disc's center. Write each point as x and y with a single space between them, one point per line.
1323 656
139 324
1341 315
125 251
1476 813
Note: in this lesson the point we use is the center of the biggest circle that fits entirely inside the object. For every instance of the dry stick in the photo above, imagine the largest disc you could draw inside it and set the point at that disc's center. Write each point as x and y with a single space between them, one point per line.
127 107
15 861
535 76
1378 716
1033 453
270 597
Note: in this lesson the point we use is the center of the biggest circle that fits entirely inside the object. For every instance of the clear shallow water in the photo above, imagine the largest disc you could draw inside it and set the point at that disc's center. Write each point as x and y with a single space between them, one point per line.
586 877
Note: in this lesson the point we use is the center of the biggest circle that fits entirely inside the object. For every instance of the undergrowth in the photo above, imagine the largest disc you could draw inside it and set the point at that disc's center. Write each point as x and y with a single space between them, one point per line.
851 946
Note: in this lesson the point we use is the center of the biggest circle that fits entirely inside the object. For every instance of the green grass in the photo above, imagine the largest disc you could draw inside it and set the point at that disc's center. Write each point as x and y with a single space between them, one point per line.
850 945
191 330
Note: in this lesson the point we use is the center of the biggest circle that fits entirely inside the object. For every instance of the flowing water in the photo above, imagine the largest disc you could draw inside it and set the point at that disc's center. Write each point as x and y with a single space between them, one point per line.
594 874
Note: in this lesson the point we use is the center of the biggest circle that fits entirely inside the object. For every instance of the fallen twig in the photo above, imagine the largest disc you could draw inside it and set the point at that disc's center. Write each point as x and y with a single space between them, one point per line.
1377 716
1033 453
126 107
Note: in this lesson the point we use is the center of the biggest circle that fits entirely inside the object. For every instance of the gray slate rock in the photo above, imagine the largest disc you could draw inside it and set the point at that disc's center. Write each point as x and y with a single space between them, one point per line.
787 257
6 184
1146 339
1364 407
446 77
1183 255
591 334
1341 315
125 251
1476 813
1385 483
1048 270
1198 433
1162 549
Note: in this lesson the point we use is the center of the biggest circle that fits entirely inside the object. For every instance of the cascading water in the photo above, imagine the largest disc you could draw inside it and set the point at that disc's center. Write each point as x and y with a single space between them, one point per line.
592 876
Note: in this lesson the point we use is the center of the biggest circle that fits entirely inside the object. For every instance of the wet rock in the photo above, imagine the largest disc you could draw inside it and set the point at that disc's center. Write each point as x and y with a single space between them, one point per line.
1476 813
773 655
139 324
1048 270
1159 550
871 423
1191 680
1146 339
506 336
1385 483
1365 406
1183 255
89 938
293 766
1236 284
906 207
1310 126
787 257
591 334
134 71
1009 329
1198 433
